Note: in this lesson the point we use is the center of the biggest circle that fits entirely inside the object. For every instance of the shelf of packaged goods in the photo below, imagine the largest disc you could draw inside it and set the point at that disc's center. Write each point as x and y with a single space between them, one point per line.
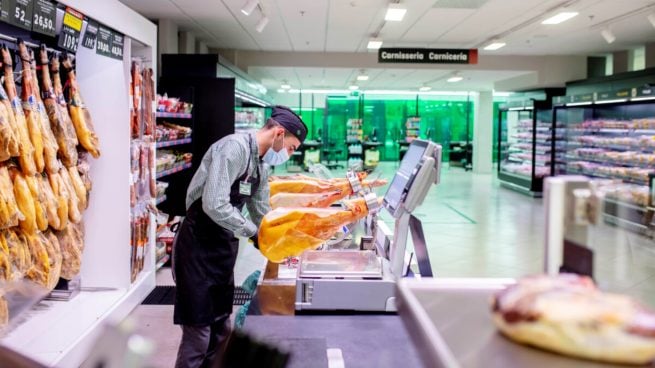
594 174
617 131
614 147
162 261
529 162
175 142
174 170
516 175
625 204
160 199
173 115
610 162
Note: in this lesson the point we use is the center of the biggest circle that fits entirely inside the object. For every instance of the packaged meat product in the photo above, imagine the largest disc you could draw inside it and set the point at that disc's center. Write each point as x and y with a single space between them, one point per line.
6 268
19 252
60 119
9 139
286 232
25 147
50 203
148 102
25 200
319 186
79 187
40 203
568 315
54 256
85 172
40 269
309 200
135 99
74 212
50 146
32 116
71 243
79 113
61 193
10 214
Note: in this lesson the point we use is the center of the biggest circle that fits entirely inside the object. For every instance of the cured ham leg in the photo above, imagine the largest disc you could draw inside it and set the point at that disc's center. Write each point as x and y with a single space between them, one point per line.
32 116
60 120
25 147
50 146
318 186
287 232
309 200
79 113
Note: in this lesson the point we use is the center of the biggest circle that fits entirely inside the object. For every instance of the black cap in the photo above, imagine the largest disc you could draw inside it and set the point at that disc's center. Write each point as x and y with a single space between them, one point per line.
290 121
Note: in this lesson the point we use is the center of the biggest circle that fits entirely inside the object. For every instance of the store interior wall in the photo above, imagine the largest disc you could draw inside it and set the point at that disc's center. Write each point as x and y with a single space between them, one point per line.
483 133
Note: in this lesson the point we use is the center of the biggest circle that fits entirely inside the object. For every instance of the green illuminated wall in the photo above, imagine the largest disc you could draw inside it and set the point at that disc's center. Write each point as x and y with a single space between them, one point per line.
444 117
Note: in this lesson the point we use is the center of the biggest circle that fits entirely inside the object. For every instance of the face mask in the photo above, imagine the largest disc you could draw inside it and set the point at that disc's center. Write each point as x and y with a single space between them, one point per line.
274 158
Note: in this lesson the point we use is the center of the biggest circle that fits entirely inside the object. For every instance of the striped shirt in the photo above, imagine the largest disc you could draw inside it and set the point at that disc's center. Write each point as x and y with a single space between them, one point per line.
225 162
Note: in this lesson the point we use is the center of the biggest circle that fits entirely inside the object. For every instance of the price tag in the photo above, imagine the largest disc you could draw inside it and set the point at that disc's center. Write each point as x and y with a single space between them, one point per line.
104 41
90 35
69 38
117 46
45 13
17 13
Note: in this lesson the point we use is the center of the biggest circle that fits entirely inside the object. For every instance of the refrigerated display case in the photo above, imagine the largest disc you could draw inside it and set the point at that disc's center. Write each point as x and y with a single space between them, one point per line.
530 144
612 136
248 119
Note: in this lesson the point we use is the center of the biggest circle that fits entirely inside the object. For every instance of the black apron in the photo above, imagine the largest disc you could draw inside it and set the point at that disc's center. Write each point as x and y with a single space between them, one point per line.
204 257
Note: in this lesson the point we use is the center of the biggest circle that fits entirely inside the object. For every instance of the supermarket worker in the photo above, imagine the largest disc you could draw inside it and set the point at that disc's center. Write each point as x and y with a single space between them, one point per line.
230 176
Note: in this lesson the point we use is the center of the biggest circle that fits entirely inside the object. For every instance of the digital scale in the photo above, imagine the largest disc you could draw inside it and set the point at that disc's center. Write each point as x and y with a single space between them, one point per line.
365 279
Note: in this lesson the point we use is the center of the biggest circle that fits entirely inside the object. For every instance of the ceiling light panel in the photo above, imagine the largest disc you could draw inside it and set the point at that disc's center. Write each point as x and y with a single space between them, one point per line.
395 13
362 77
459 4
249 7
560 18
494 46
374 44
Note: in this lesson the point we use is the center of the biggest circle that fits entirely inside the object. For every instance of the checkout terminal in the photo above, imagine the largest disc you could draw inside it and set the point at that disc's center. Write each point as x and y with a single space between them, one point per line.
364 280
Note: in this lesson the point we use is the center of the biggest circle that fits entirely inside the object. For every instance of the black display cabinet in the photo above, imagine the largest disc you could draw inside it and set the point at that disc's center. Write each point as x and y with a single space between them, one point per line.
213 113
529 143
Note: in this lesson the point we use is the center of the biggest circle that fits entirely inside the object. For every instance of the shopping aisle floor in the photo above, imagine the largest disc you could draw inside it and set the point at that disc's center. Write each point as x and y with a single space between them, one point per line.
473 228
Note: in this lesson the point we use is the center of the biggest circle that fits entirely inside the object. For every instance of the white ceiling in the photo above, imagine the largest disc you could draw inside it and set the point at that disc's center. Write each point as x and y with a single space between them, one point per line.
346 26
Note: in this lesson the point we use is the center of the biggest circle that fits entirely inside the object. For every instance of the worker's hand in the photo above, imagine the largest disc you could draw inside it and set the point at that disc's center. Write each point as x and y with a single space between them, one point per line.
254 240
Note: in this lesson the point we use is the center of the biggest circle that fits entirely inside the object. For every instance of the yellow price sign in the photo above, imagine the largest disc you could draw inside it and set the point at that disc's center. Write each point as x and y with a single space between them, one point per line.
73 21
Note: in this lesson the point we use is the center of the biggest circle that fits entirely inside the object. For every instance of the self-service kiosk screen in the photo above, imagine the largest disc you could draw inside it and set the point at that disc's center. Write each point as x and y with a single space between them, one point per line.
403 178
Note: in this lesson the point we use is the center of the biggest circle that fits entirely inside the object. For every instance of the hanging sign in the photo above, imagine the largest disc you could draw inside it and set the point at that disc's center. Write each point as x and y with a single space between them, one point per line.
117 46
104 41
428 56
69 38
45 15
17 13
90 35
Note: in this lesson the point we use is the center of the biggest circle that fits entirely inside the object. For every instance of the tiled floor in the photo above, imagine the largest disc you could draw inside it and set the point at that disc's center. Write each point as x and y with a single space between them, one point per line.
473 228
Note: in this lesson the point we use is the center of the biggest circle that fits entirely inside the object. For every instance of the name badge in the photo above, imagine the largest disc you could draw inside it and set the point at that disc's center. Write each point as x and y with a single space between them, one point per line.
245 188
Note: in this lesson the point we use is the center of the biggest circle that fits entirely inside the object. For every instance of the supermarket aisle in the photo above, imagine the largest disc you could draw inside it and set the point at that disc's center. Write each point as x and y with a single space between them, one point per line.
473 228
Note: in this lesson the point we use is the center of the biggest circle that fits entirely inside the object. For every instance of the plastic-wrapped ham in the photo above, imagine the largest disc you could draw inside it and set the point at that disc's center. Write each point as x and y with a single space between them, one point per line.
286 232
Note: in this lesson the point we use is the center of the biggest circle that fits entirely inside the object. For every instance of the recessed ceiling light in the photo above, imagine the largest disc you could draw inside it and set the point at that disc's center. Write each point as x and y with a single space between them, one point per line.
559 18
353 87
362 77
374 43
285 86
608 35
395 13
455 78
494 45
249 7
425 88
281 90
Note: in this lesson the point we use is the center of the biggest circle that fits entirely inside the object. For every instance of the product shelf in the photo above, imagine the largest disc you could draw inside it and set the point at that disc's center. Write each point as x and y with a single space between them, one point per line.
173 115
175 142
173 170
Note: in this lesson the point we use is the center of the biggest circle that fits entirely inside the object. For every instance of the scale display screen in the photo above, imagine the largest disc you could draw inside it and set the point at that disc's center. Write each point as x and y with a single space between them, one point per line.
402 181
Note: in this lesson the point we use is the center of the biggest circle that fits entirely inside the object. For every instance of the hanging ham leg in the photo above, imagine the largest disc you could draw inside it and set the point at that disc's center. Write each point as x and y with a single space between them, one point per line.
25 147
32 116
287 232
80 114
10 140
60 120
50 146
